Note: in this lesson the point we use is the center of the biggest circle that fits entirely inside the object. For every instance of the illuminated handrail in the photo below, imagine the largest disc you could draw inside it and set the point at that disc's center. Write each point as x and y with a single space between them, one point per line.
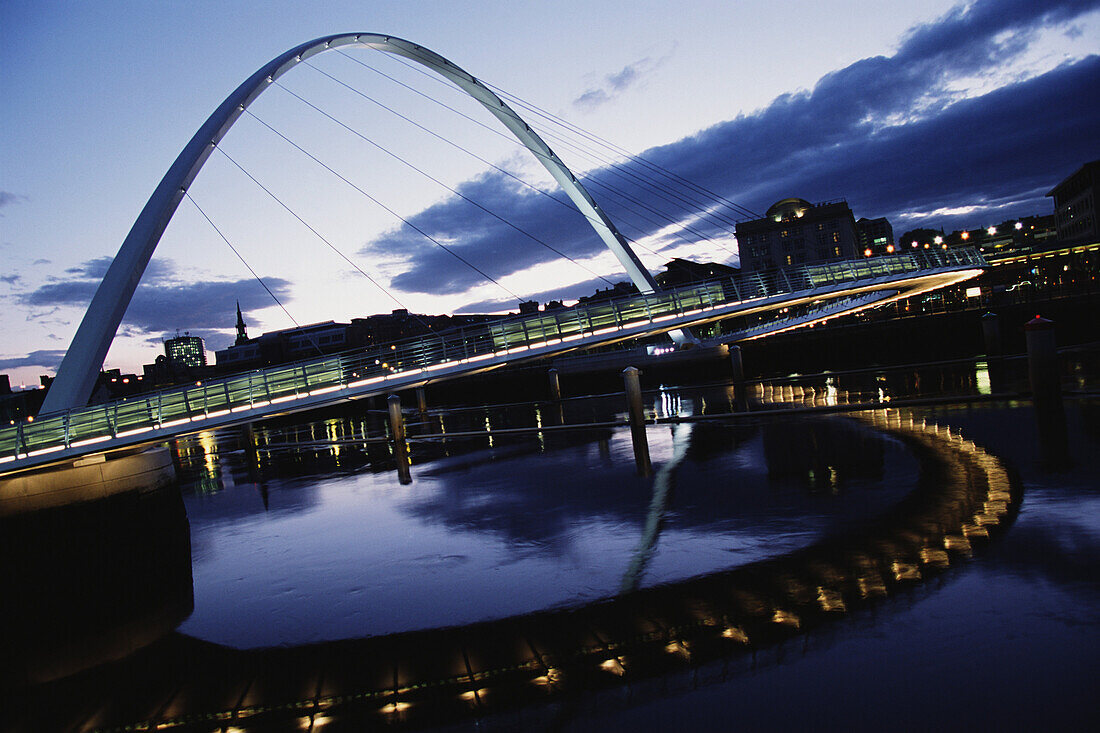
451 348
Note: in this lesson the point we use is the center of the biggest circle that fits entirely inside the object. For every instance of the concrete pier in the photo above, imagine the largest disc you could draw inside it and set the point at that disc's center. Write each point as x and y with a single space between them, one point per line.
86 479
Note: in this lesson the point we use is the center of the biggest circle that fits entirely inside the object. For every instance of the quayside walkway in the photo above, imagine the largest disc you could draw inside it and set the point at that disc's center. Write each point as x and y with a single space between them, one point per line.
785 297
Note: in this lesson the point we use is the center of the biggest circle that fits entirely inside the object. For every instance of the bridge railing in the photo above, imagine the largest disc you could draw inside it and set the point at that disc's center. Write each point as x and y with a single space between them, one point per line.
451 348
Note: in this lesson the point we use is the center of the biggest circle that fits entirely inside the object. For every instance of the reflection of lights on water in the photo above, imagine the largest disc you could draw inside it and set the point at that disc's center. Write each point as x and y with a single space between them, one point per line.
871 586
786 618
315 723
538 424
678 648
804 590
548 680
671 404
830 600
935 557
614 666
905 571
735 633
332 431
209 449
489 431
981 378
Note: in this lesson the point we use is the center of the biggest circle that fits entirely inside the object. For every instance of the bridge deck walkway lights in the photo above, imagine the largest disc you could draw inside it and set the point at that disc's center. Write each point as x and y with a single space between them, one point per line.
241 398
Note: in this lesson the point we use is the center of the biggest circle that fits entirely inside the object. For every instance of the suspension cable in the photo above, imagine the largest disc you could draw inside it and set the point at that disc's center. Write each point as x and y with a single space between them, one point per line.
407 223
429 176
655 167
447 140
512 140
594 138
490 128
254 274
472 154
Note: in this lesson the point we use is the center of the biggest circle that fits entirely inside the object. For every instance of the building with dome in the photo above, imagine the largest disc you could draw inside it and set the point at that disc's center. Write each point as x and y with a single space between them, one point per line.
796 232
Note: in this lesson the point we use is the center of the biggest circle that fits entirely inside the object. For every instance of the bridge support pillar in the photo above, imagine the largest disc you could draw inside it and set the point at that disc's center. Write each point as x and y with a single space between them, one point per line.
737 366
421 400
637 420
555 385
991 335
994 351
1046 392
400 448
738 369
1042 362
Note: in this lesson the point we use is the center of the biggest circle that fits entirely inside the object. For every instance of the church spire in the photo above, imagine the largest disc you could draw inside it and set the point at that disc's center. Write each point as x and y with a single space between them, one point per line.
242 335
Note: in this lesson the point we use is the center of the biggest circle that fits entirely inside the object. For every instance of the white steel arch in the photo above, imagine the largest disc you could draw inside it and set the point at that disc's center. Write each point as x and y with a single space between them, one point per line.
78 370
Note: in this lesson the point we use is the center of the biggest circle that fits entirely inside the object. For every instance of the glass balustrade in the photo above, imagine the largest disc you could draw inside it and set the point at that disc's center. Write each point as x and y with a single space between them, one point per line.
447 349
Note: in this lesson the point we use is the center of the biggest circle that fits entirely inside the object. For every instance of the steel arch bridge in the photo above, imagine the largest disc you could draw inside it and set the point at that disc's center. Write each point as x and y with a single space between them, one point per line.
67 428
78 370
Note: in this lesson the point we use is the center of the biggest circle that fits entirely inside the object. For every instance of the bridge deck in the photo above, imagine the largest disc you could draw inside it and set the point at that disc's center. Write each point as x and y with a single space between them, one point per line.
834 287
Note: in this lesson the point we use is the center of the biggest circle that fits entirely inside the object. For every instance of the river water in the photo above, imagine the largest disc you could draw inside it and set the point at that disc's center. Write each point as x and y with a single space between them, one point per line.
301 535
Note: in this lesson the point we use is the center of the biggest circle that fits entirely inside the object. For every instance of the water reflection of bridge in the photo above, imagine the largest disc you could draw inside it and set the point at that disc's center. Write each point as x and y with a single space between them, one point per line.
964 496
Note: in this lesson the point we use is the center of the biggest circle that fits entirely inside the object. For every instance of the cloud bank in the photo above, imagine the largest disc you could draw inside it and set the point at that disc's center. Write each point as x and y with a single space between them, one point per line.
908 136
204 308
617 83
46 358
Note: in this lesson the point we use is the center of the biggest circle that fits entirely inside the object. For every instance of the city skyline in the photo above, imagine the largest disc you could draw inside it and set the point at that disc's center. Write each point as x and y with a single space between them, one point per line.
872 123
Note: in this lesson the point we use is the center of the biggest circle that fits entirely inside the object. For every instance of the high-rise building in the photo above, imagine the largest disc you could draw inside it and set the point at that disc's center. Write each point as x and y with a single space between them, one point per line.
876 236
1075 204
189 351
795 232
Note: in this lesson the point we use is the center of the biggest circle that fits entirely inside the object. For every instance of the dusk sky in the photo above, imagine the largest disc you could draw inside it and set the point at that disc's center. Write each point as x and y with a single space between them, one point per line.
928 112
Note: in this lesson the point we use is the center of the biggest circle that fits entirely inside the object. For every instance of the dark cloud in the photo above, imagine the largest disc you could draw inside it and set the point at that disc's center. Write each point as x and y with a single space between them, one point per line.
1012 144
156 272
215 338
47 359
162 299
592 98
7 199
69 292
484 241
616 83
889 134
562 293
10 279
